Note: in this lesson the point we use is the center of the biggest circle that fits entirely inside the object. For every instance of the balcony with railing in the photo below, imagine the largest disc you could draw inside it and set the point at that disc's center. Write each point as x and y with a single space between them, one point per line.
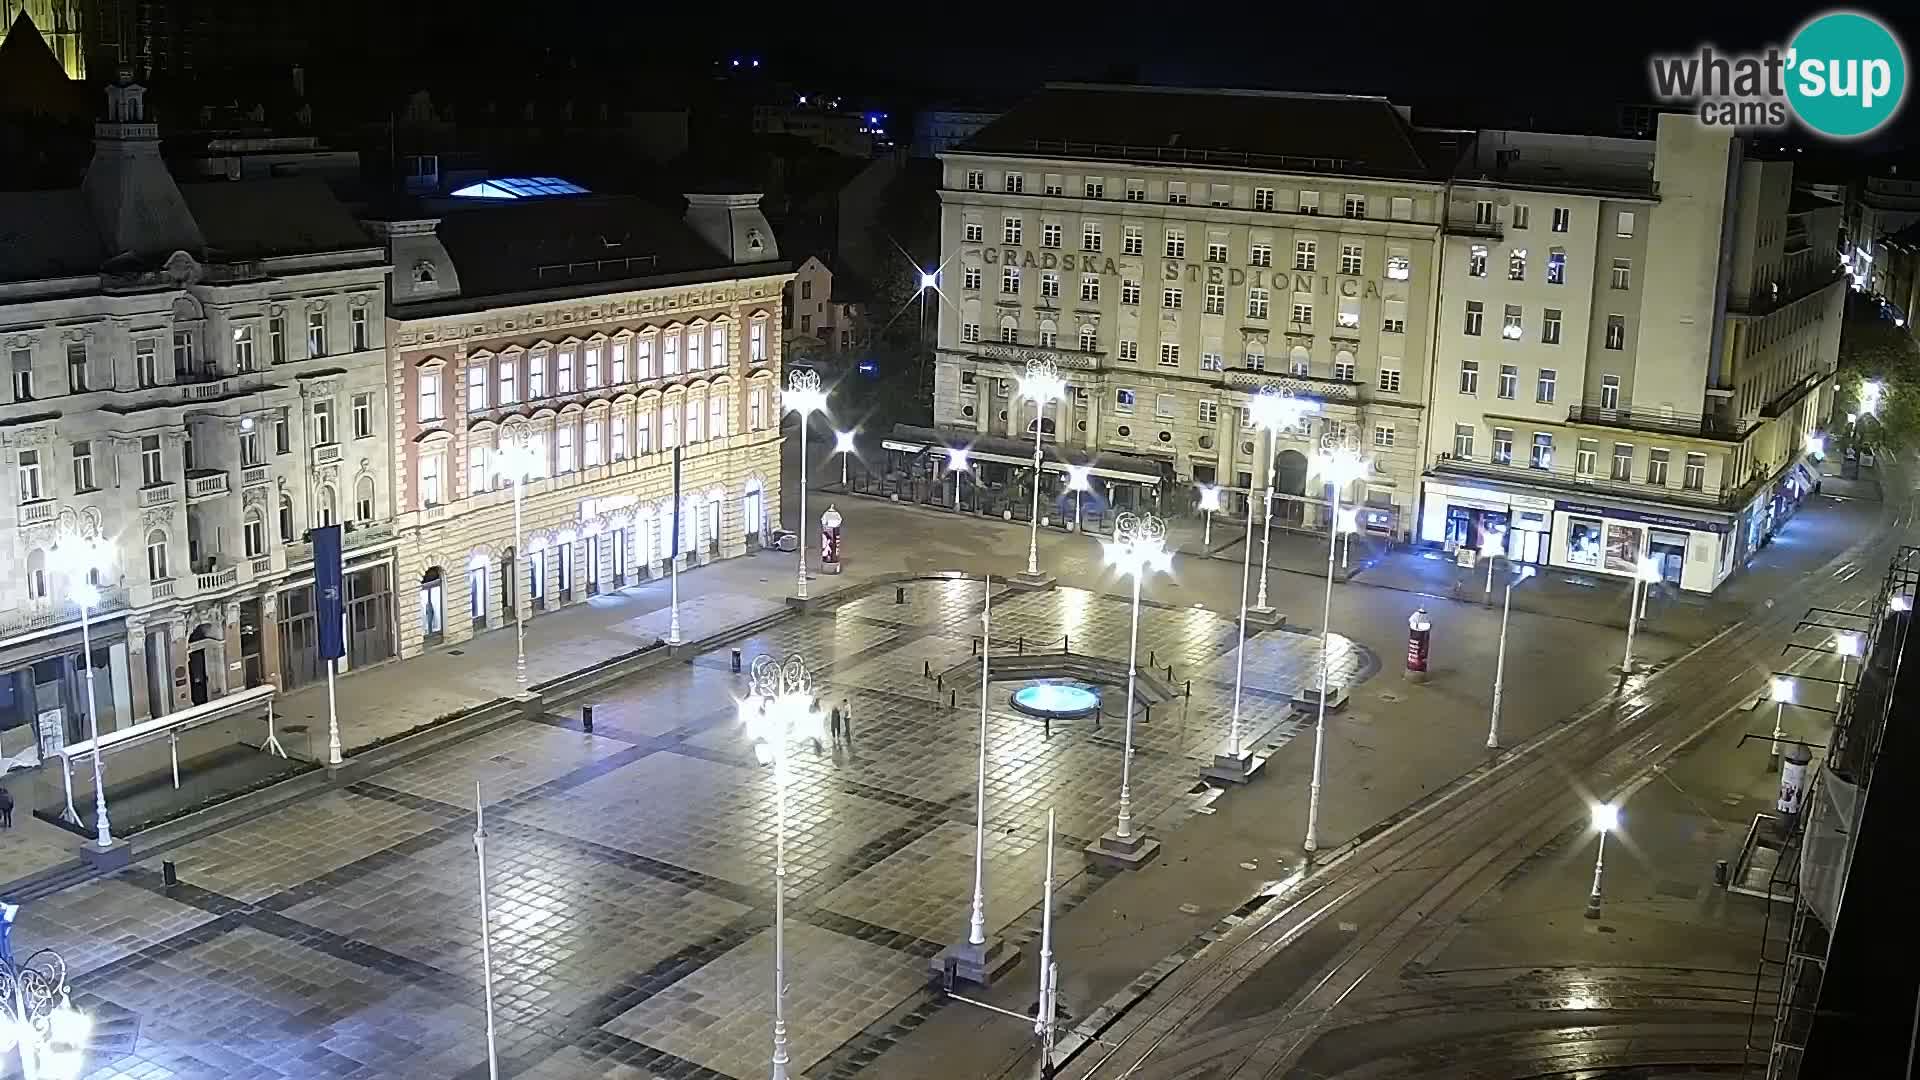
1464 226
256 475
159 495
1299 385
29 618
326 453
38 512
220 577
205 484
352 538
1563 476
1597 412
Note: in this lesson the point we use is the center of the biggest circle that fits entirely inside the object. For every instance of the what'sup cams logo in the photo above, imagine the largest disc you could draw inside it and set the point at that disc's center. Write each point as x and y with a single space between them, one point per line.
1844 76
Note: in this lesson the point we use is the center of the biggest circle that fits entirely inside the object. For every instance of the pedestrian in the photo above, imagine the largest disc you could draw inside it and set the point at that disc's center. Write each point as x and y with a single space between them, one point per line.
846 719
6 809
813 724
833 723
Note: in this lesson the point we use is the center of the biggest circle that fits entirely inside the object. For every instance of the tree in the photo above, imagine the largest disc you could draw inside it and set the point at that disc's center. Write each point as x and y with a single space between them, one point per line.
1875 350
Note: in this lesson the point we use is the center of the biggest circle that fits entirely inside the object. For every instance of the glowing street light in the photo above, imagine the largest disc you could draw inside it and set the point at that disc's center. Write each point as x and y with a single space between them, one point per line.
843 445
82 562
1273 411
1870 392
1606 819
780 709
1899 602
805 397
1647 573
37 1017
1346 522
1781 691
1846 645
1138 547
1817 445
1340 464
1079 481
1209 502
516 463
929 280
1500 665
974 955
1042 383
956 464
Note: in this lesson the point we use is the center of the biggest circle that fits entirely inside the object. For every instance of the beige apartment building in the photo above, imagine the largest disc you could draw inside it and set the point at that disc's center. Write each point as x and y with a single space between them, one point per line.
601 333
1636 340
1176 251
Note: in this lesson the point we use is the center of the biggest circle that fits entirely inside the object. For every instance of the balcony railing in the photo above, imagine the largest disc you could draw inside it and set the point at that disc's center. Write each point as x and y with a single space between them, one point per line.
263 565
326 453
205 484
1563 476
218 579
38 617
158 495
1469 227
352 538
1298 385
208 391
163 590
37 513
1657 420
256 476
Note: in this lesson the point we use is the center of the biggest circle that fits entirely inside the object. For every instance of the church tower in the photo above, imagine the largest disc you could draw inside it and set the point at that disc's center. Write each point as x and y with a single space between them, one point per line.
59 24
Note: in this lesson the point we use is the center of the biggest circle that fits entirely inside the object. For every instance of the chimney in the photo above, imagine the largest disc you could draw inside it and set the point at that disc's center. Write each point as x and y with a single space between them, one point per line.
733 225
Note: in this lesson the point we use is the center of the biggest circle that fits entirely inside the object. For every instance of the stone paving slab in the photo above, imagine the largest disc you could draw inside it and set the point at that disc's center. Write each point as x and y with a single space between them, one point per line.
507 761
259 857
720 1016
926 888
98 922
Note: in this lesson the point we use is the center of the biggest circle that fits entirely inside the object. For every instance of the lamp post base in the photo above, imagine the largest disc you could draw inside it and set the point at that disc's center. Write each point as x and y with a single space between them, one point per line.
1307 698
1232 768
1265 618
1032 582
981 965
1593 907
1130 853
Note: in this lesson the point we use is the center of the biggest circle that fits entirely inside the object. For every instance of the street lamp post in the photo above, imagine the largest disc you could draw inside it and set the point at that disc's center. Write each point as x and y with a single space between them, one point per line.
1340 464
956 464
976 959
1079 481
1043 1020
1781 691
805 397
843 445
1209 502
1347 521
1273 411
486 928
1846 645
82 559
1234 765
1042 383
779 710
518 463
1138 547
1606 818
1500 664
1647 573
37 1017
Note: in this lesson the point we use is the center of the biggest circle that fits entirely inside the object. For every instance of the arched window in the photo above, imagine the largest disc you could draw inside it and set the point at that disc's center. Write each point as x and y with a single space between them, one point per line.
1299 360
157 555
325 507
37 586
254 531
363 500
286 518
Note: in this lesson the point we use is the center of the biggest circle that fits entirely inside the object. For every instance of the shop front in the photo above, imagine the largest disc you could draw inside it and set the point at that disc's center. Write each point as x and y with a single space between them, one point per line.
43 690
1693 553
1487 520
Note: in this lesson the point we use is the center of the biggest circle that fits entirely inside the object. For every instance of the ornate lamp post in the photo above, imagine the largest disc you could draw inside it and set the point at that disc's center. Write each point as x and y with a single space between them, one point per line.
1645 575
1781 693
843 445
1138 547
1339 463
1606 818
37 1017
805 397
516 464
977 959
957 464
1209 502
1079 481
780 710
82 561
1273 411
1042 383
1500 665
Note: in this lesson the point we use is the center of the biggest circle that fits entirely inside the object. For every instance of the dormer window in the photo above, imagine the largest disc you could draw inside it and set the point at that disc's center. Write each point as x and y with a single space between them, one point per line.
423 274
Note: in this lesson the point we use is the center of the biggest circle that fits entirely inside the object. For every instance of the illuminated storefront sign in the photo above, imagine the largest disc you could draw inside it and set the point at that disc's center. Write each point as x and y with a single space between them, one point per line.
1174 271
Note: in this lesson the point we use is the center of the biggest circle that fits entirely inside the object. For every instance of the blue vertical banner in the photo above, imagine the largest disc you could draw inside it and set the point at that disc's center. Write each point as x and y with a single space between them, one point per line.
676 502
328 598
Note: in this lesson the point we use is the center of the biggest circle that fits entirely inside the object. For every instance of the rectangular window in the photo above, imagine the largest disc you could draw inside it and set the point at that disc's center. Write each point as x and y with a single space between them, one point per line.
1010 230
1517 265
1399 264
1089 289
1463 441
670 359
1128 350
1623 224
1050 235
1216 252
146 365
976 180
1349 313
590 368
1402 208
1549 381
757 342
362 415
536 376
1129 291
1169 354
1389 379
1477 261
1216 299
564 370
1049 337
1343 370
1176 193
1469 376
1550 326
243 359
643 358
1165 406
1502 446
1476 315
1123 402
1136 191
1556 266
1209 413
322 422
1171 299
479 469
1009 281
361 332
1610 392
277 340
77 368
509 385
1356 206
1562 218
429 479
618 360
1383 435
1260 255
1176 244
1483 212
1096 189
1696 475
1263 198
316 333
152 472
1009 333
591 443
1212 361
1300 363
1089 339
1089 237
1542 454
83 466
1305 253
970 279
1351 257
1133 241
1616 332
643 433
1303 312
1586 457
618 437
1255 360
1257 303
1623 461
183 353
970 332
1016 183
975 233
429 395
1657 467
1520 215
1310 202
476 386
1049 285
1622 273
30 486
282 440
1509 381
1513 328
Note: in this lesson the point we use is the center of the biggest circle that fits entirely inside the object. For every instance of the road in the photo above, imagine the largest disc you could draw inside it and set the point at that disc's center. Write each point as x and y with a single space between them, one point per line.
1324 981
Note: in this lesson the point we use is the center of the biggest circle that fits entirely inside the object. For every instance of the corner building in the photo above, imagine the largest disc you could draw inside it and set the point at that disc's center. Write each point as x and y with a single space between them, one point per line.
1636 341
1176 251
600 332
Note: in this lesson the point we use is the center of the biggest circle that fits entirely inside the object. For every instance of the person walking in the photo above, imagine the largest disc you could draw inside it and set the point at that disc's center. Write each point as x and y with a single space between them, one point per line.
833 724
6 809
846 719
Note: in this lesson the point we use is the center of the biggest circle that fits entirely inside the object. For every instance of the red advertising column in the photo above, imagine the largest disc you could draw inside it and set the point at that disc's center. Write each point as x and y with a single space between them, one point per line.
1419 645
830 541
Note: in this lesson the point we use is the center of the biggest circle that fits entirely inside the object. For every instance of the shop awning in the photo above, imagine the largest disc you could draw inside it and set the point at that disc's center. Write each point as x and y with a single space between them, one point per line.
1005 451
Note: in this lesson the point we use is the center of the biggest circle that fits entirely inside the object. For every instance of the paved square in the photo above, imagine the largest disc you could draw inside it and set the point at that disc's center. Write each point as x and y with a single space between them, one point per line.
261 856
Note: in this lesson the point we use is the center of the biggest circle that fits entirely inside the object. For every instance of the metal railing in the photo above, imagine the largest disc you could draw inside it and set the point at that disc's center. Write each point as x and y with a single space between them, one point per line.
1561 475
1666 421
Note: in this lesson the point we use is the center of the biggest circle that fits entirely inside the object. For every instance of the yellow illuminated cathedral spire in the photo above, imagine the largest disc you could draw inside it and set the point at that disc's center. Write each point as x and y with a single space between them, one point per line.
60 27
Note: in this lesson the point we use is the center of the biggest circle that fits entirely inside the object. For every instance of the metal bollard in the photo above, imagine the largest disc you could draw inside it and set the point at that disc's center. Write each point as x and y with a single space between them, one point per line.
1189 687
1720 872
926 669
1146 710
1020 646
736 661
586 719
899 594
1169 672
1151 662
953 699
940 681
169 873
1066 643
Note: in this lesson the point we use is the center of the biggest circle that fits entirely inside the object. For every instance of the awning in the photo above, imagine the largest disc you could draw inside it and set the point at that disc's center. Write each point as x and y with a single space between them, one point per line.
1005 451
